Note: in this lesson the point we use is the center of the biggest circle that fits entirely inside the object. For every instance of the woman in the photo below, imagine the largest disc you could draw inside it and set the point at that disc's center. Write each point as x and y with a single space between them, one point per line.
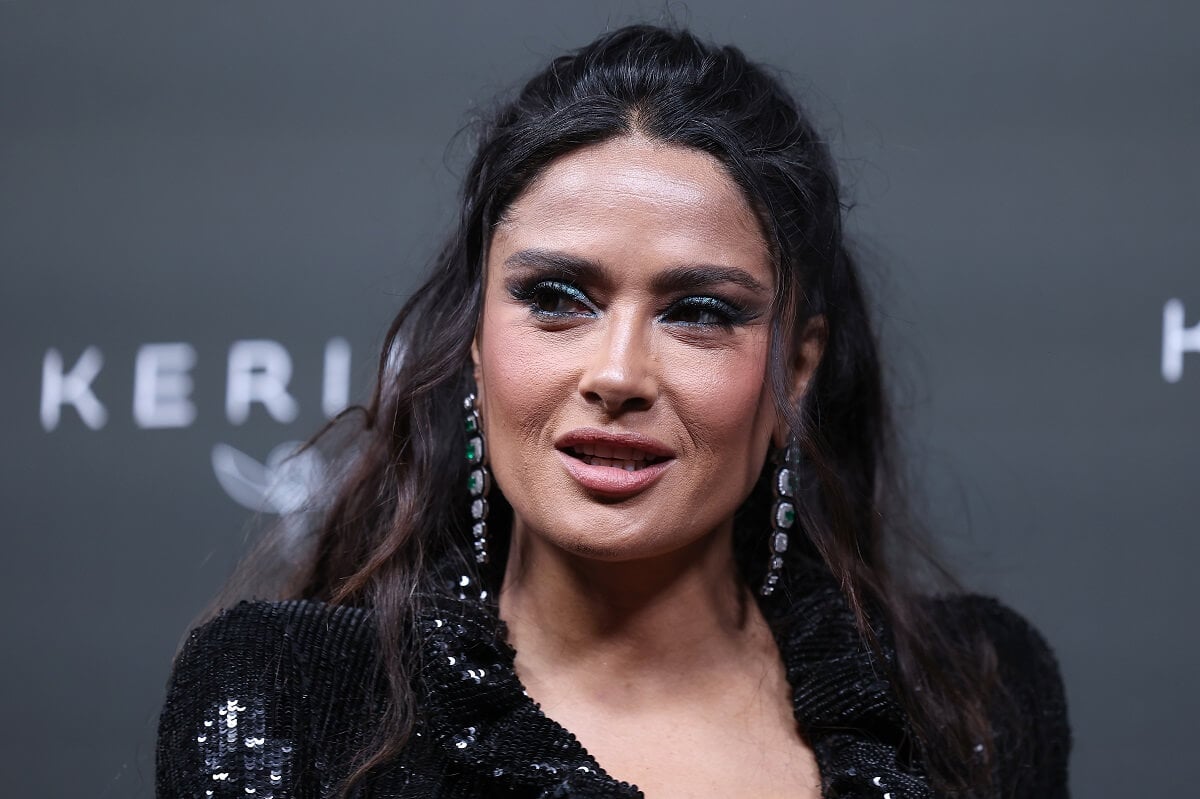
661 561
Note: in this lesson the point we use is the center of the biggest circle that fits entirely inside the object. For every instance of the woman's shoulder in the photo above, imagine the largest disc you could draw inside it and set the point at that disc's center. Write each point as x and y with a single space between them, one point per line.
259 688
279 627
1032 735
269 639
276 648
1016 640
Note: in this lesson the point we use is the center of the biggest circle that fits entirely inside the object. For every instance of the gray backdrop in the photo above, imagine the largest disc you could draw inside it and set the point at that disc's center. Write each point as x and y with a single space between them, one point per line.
246 182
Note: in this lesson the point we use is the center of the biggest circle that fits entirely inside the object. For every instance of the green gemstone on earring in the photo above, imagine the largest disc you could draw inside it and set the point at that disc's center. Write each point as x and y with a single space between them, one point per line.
475 450
472 423
785 515
477 482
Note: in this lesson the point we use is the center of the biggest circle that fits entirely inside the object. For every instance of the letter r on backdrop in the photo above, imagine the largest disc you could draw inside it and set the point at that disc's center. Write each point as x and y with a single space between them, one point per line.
259 371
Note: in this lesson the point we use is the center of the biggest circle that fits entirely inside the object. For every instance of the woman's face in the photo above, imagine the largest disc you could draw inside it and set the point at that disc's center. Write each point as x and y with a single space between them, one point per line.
621 360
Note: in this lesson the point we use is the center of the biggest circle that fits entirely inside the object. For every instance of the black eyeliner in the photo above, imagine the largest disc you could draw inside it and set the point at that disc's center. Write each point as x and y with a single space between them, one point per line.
527 291
731 314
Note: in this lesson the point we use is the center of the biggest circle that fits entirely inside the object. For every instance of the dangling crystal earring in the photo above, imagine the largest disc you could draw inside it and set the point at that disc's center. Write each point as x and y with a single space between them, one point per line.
783 514
478 480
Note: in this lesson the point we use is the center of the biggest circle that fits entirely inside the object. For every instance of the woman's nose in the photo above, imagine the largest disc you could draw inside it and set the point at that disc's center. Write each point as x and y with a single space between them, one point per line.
619 375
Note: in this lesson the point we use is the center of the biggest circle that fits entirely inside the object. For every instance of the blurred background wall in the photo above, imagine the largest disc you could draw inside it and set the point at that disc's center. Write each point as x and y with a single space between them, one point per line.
209 211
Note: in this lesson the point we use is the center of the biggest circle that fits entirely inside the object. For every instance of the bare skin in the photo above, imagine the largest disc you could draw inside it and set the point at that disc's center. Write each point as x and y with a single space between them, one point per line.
630 623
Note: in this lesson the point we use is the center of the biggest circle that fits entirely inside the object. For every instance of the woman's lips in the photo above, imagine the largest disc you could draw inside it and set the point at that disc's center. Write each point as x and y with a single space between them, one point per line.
614 464
611 480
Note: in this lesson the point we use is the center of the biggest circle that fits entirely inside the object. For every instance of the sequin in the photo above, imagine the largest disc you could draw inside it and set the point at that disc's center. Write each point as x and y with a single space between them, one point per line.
243 756
465 648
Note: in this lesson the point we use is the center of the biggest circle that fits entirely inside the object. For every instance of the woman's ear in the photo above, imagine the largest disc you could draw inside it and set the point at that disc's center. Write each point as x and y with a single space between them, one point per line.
805 359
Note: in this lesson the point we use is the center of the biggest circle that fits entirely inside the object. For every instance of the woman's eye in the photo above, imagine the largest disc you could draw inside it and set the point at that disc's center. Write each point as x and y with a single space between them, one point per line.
550 298
703 312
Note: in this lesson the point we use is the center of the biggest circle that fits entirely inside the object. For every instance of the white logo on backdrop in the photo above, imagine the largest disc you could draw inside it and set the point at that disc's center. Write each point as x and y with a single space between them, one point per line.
258 371
286 483
1177 340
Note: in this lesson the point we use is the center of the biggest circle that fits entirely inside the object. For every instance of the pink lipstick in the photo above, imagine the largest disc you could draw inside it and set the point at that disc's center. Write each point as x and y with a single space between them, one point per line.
614 464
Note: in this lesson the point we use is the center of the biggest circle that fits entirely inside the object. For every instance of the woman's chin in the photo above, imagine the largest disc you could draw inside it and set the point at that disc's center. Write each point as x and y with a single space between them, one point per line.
596 541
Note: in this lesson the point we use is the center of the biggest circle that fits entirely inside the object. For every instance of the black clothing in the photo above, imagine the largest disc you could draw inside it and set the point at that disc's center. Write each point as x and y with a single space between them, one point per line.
276 699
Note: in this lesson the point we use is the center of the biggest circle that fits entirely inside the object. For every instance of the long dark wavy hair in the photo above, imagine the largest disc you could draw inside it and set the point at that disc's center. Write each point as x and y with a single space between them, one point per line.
402 507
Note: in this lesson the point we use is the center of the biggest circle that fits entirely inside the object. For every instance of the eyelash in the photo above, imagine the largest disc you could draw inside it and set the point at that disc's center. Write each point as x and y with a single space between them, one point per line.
727 314
531 292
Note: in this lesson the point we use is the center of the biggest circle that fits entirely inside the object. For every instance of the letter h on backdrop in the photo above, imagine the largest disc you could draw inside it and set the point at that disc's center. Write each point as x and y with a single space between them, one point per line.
1177 340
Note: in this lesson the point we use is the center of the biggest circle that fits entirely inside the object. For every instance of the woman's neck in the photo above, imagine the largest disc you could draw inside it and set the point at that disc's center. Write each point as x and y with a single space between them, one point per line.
664 669
685 615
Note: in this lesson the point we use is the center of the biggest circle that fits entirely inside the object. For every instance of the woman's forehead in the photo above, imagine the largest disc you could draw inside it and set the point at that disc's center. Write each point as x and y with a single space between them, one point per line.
633 193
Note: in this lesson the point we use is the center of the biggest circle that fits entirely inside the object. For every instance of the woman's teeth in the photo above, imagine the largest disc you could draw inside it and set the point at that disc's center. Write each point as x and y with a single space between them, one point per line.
627 458
615 463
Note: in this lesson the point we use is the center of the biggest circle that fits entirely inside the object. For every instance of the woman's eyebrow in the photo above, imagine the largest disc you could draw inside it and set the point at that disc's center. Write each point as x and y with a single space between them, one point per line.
691 276
569 266
670 280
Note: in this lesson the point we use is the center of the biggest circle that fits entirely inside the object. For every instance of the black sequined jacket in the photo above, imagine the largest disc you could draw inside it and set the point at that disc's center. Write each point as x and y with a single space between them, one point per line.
275 700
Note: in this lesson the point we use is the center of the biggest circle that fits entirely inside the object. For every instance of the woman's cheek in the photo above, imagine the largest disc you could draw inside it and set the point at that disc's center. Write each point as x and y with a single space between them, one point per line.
726 407
723 388
523 386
